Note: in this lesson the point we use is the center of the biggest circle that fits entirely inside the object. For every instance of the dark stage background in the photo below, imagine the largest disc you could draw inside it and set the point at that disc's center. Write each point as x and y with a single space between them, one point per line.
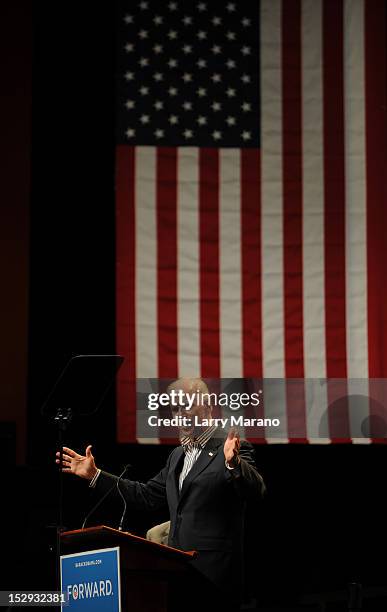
323 523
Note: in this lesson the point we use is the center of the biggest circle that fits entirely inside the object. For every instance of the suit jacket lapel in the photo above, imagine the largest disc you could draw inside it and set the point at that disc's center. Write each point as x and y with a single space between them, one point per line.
208 453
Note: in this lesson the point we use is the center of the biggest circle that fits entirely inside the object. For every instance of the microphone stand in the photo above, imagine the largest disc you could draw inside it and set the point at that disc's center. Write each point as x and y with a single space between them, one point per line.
116 484
62 419
120 526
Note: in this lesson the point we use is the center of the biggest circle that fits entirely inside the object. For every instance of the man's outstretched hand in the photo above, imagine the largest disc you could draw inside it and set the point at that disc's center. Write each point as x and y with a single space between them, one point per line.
231 448
80 465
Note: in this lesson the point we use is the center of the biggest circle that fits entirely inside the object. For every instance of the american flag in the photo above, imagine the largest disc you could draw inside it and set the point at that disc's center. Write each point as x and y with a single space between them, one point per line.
251 215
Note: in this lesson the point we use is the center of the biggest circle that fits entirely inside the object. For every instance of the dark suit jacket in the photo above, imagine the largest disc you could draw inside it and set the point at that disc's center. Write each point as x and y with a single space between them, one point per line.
208 514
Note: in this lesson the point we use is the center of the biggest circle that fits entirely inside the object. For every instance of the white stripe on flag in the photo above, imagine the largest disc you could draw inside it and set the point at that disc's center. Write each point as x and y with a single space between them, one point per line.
313 191
188 262
146 269
272 221
313 215
273 362
230 264
356 214
356 246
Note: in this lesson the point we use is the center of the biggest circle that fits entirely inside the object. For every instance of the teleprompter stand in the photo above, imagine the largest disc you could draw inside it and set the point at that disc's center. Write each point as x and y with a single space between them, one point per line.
79 390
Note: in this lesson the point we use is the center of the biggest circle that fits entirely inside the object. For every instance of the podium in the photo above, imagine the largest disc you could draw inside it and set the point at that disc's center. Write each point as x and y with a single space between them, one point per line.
150 575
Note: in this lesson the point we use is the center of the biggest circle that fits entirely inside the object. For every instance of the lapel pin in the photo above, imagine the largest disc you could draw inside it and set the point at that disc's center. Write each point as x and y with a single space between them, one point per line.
210 453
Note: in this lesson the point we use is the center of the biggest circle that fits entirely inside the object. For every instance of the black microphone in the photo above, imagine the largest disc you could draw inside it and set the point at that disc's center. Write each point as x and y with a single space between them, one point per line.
116 484
123 499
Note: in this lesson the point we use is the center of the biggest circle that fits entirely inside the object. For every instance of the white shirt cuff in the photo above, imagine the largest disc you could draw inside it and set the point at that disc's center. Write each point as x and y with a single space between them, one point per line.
94 479
228 466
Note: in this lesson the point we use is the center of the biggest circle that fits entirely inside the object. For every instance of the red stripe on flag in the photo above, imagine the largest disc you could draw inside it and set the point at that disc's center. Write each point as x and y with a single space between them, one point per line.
209 262
292 217
166 203
251 284
125 293
334 221
255 434
375 79
251 263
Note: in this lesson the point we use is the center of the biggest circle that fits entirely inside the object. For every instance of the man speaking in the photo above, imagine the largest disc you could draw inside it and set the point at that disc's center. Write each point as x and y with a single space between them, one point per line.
206 484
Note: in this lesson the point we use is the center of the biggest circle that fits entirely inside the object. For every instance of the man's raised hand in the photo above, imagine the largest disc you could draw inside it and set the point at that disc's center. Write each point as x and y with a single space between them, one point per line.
231 448
80 465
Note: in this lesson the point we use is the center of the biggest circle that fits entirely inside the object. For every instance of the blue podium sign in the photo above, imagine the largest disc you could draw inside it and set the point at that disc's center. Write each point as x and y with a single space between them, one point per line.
91 580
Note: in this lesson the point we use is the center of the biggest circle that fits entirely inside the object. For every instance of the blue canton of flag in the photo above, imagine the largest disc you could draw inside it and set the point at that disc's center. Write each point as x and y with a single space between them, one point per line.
188 74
